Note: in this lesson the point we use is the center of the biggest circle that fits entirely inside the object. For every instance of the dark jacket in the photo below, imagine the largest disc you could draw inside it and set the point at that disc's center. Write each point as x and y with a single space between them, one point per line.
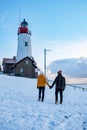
59 82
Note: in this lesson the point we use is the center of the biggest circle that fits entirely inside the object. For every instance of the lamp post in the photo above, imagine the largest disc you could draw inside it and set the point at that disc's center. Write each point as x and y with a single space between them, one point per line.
45 50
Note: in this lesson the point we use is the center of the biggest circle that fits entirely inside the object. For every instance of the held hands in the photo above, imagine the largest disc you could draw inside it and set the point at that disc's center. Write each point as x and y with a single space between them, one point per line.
37 87
50 86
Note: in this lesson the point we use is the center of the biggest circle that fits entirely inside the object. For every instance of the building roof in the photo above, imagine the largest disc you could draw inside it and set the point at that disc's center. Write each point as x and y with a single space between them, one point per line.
34 63
9 60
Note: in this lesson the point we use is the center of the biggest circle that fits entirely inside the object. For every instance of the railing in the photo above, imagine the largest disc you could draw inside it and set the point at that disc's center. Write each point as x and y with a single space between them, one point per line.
75 86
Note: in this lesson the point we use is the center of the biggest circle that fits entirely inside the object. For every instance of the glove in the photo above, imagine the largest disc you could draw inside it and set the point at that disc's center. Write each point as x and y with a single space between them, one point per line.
37 87
63 89
50 87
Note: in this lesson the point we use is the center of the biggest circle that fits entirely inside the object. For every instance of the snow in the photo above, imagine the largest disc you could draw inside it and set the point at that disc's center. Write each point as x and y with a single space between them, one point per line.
20 110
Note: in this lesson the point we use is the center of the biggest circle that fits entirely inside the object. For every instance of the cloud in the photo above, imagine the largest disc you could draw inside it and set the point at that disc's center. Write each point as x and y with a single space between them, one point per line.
66 49
85 42
74 67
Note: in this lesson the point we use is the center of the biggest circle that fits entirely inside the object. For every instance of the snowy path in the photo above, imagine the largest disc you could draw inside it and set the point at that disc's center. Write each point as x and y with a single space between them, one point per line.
20 110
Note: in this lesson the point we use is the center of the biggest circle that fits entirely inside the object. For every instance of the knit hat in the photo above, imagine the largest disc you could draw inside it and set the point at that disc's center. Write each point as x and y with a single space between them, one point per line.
59 72
41 72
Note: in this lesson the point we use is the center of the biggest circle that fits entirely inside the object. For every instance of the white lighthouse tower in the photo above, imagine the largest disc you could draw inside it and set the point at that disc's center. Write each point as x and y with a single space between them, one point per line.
24 41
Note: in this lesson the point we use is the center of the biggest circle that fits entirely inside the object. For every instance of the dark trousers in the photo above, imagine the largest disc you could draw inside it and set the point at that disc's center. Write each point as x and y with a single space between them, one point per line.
41 93
61 94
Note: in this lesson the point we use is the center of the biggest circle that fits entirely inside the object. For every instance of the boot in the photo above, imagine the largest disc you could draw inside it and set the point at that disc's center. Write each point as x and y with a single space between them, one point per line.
56 101
38 99
60 102
42 100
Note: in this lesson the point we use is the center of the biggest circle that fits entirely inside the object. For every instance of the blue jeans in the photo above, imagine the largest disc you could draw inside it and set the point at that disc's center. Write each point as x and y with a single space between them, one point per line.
61 94
41 93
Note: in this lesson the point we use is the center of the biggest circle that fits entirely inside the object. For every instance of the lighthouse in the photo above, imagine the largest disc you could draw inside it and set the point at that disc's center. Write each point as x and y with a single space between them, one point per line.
23 64
24 41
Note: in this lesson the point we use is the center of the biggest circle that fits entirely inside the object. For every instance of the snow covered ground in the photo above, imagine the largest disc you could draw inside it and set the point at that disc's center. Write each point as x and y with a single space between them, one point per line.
20 110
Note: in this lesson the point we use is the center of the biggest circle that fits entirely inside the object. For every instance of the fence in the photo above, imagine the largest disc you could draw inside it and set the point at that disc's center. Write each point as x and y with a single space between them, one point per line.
75 86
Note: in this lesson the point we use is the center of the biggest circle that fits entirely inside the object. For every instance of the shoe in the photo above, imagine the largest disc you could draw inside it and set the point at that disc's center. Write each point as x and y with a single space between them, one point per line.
38 99
56 101
42 100
60 102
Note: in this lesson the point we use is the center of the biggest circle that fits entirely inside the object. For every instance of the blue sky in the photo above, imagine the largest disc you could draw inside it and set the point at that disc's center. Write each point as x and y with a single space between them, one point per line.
58 25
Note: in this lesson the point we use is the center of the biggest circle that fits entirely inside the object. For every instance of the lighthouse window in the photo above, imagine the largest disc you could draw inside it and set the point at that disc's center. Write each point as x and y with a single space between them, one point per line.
26 43
27 62
21 70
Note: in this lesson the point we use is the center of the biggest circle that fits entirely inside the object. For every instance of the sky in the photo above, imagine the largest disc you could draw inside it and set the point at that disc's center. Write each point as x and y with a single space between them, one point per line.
20 109
56 25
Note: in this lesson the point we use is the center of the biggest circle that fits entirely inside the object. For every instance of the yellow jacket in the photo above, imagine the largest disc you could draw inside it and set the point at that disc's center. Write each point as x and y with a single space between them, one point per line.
41 81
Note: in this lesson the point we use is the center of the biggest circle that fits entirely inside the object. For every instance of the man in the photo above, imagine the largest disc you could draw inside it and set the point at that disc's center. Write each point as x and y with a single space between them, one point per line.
41 82
59 86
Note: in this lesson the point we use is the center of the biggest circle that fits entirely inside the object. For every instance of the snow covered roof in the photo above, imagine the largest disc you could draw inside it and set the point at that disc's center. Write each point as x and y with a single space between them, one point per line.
32 59
9 60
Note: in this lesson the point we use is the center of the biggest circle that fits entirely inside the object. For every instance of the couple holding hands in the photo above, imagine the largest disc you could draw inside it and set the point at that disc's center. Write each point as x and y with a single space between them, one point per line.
59 83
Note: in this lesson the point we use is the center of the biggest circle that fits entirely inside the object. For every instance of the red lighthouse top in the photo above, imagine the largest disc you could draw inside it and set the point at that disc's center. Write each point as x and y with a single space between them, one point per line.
23 28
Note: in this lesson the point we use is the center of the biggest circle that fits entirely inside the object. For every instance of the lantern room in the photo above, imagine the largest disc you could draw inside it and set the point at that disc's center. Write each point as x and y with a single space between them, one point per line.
23 28
24 23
